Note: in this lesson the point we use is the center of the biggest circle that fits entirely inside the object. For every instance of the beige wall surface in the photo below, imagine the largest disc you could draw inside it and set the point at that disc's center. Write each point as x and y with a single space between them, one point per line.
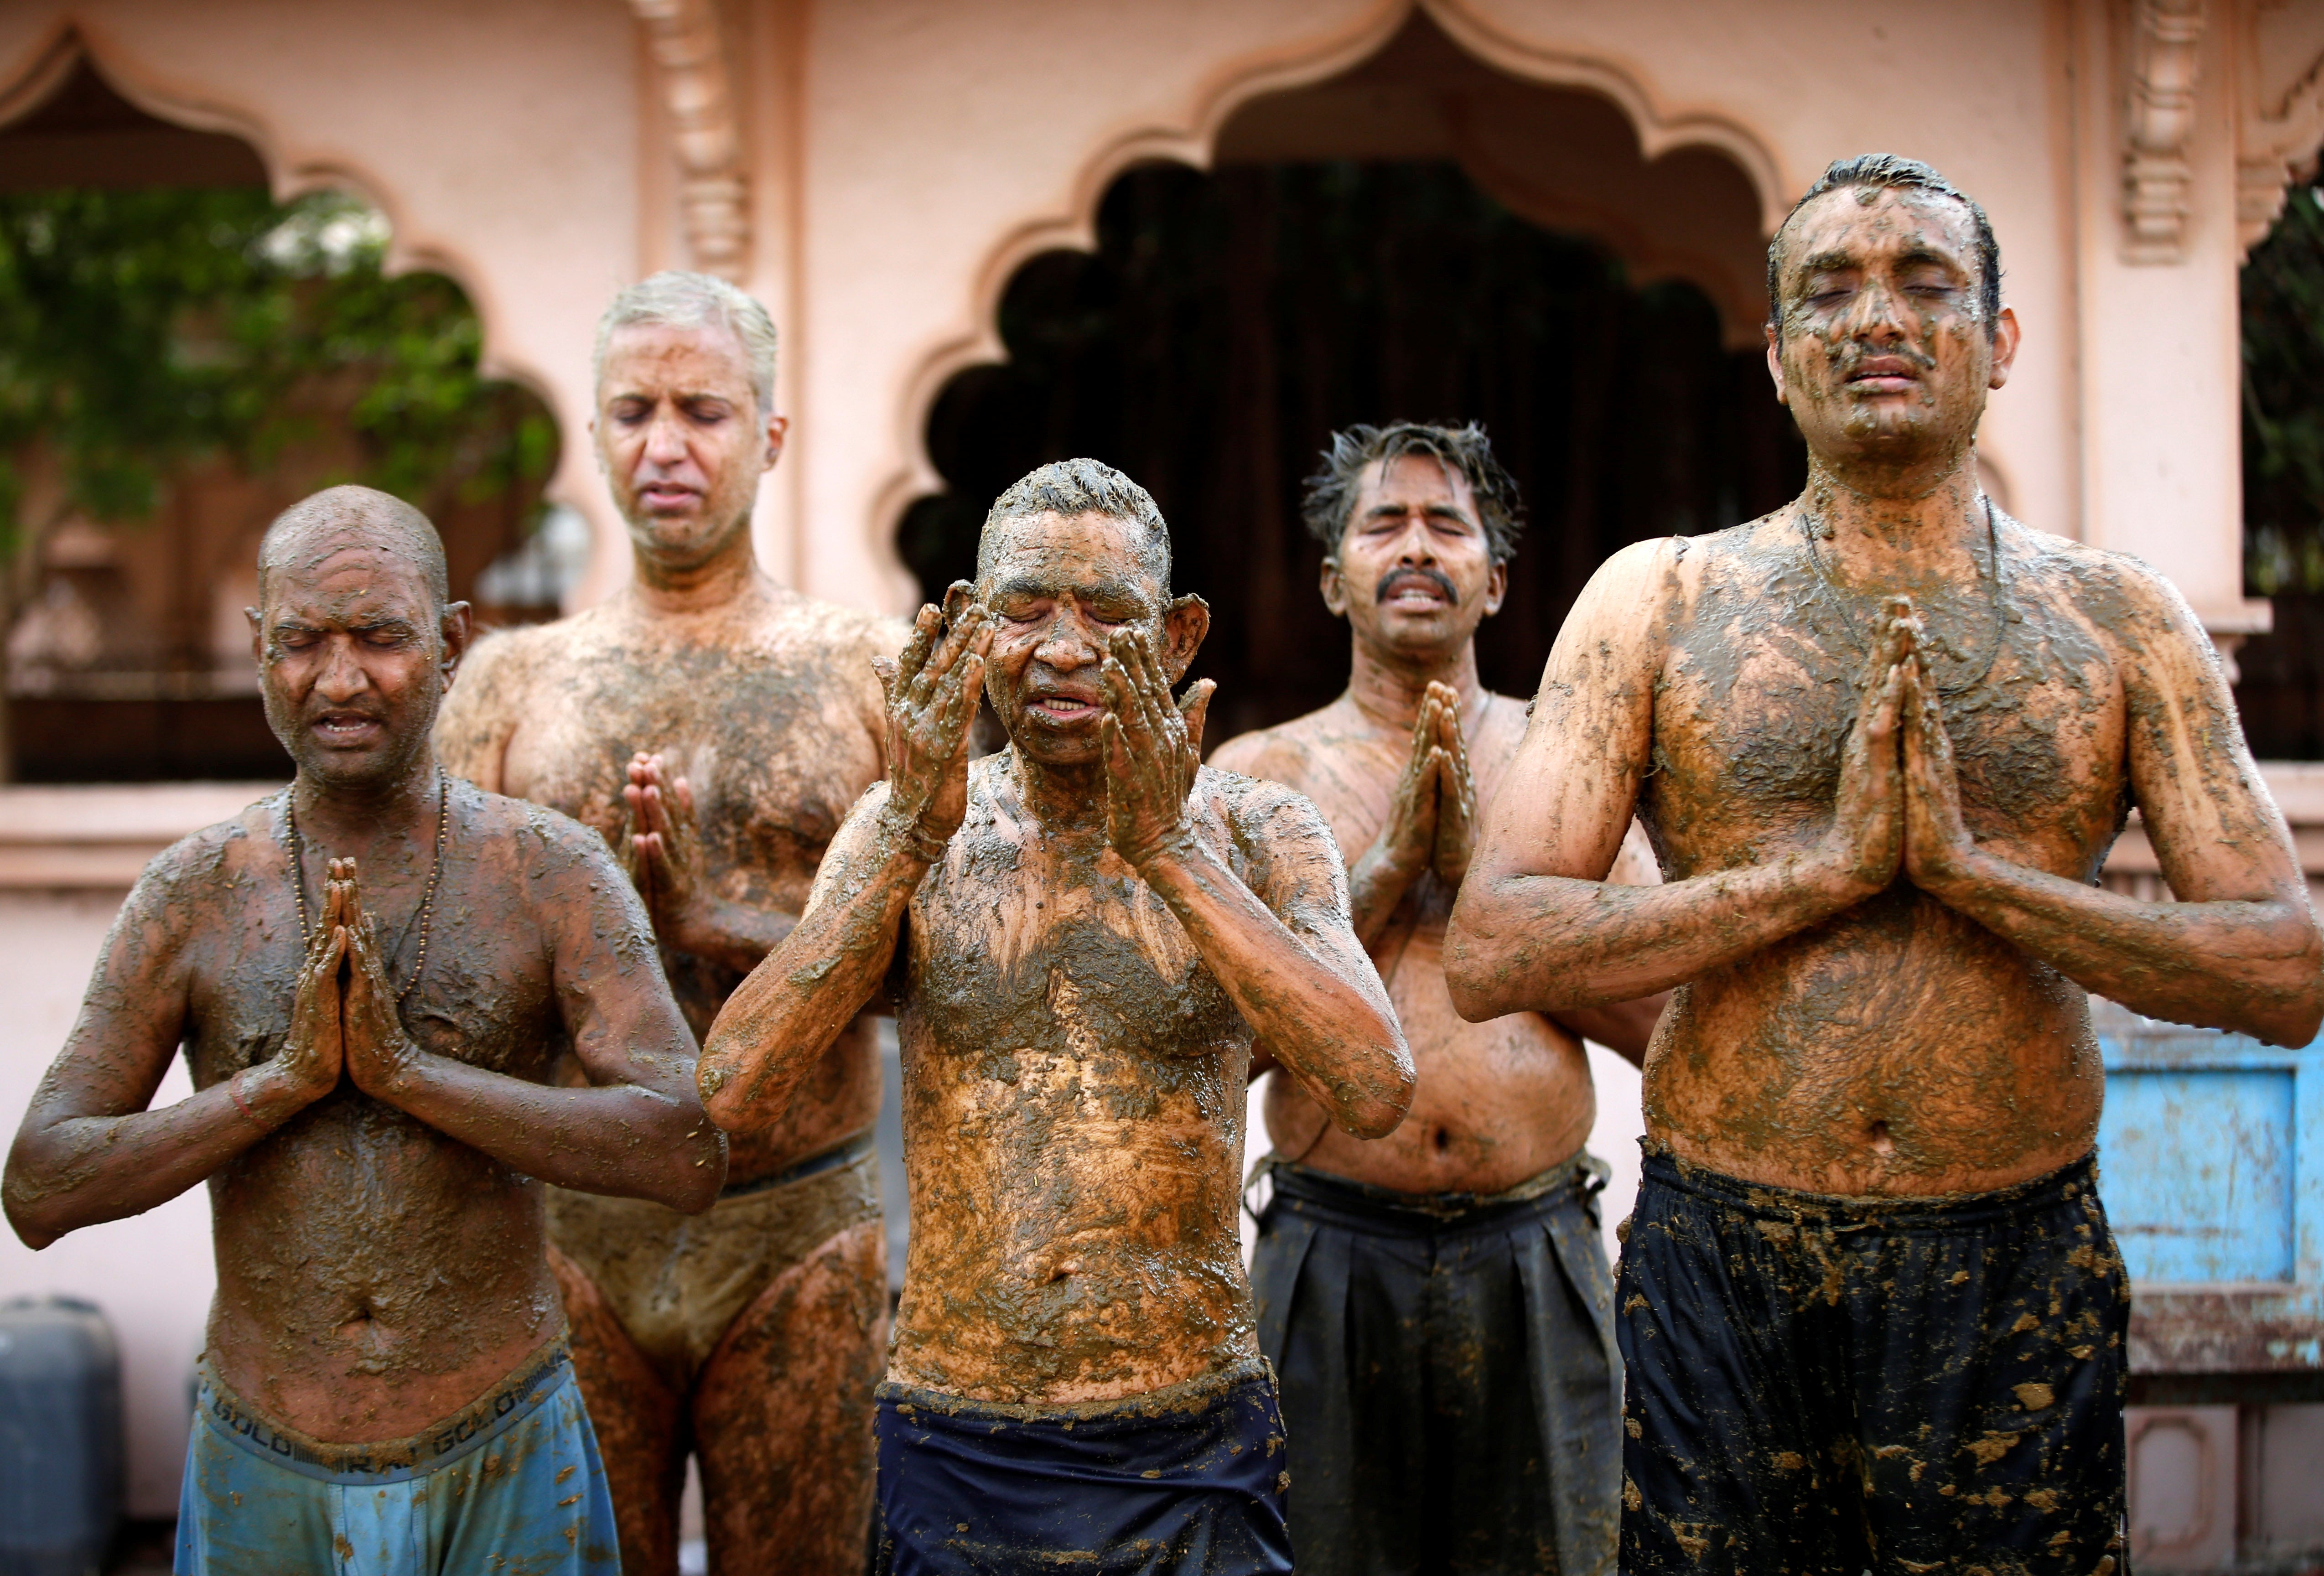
150 1274
499 137
901 158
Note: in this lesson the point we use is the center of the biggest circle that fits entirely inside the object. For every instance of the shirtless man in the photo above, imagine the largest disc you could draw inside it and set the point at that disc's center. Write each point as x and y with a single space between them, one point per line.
1087 932
1436 1304
386 1390
1869 1309
714 727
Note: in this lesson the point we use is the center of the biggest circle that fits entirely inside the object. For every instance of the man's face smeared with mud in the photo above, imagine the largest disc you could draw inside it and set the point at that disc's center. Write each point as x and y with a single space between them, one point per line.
1057 587
680 439
353 654
1886 353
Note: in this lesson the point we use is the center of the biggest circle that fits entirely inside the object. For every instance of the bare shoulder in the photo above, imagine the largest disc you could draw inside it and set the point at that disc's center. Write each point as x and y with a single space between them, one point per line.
1284 753
205 859
545 842
2119 594
794 614
1261 811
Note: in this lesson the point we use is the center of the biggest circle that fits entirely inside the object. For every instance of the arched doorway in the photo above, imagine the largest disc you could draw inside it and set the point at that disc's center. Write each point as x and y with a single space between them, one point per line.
188 356
1422 239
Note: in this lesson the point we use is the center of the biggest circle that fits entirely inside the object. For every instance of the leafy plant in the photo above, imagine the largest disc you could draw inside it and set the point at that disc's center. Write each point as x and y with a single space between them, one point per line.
141 330
2283 401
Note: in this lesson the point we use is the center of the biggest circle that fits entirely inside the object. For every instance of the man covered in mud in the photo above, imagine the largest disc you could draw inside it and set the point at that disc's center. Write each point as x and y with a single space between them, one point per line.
716 727
1084 936
1436 1303
1869 1307
372 973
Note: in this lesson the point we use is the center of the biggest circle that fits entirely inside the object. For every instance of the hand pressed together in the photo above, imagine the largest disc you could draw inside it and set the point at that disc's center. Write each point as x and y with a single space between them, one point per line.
1898 807
663 849
310 1063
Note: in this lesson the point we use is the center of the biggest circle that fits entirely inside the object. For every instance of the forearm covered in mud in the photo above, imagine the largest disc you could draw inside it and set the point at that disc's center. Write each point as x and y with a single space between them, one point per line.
1555 944
619 1138
1329 1025
1377 883
2252 966
736 936
774 1030
68 1171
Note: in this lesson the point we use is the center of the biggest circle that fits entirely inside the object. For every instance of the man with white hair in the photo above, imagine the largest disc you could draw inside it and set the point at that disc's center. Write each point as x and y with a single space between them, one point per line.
716 727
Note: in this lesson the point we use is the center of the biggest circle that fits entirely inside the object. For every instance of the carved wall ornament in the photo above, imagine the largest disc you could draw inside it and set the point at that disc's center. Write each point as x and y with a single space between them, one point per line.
2277 134
2159 125
698 94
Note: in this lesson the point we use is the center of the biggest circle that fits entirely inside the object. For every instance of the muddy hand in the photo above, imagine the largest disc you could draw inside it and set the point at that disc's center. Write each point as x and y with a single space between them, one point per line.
312 1056
1456 792
1406 844
1937 842
1152 749
933 690
665 852
1863 849
378 1051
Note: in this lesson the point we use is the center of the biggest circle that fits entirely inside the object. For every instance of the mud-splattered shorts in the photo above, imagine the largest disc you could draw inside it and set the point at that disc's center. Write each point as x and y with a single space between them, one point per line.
1184 1481
1449 1374
510 1483
1819 1384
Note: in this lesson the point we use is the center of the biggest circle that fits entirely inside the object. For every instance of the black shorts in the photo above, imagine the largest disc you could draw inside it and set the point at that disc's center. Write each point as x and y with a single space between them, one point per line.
1186 1482
1819 1384
1449 1382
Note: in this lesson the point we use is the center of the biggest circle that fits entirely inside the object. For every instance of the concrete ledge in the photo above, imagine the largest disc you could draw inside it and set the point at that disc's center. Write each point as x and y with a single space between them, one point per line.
101 836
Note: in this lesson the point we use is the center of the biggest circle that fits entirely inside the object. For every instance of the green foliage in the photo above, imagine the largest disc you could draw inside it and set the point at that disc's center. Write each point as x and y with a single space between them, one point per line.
141 330
2283 401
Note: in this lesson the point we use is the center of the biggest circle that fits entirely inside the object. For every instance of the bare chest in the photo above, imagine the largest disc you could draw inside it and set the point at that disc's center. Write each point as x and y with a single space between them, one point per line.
1758 695
1019 950
771 743
485 993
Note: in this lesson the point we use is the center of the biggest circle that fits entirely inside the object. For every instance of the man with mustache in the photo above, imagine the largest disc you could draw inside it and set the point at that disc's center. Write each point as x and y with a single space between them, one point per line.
716 727
387 1389
1871 1312
1085 936
1436 1302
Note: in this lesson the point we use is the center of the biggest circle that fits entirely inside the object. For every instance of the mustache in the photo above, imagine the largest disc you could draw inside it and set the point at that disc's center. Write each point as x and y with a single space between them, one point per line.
1390 582
1849 354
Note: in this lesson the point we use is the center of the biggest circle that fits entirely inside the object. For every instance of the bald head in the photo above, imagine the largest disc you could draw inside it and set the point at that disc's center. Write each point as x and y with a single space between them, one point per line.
336 519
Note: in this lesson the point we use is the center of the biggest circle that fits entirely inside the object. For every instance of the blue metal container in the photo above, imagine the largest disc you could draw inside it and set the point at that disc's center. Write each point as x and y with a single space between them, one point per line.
2212 1155
60 1450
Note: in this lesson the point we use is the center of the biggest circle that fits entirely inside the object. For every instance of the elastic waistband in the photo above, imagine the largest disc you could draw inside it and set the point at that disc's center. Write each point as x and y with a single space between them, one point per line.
1192 1395
386 1461
2069 1184
1424 1213
847 1152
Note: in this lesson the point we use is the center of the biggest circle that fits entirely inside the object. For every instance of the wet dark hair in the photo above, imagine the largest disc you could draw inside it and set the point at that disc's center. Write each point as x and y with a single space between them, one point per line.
1330 494
1894 170
1079 486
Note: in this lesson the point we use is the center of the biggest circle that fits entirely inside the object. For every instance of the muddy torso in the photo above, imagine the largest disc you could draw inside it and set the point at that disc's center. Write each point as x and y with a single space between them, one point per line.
1899 1046
1073 1116
367 1262
1495 1103
771 712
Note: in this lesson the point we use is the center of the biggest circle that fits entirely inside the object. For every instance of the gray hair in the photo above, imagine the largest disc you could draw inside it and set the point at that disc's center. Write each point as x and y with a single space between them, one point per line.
1327 496
679 299
358 512
1079 487
1894 170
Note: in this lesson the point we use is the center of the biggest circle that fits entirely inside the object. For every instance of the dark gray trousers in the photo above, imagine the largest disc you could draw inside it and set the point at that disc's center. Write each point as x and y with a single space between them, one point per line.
1450 1392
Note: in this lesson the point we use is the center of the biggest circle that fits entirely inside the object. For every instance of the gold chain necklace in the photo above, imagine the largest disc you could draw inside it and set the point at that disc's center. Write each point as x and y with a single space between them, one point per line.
427 900
1992 594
